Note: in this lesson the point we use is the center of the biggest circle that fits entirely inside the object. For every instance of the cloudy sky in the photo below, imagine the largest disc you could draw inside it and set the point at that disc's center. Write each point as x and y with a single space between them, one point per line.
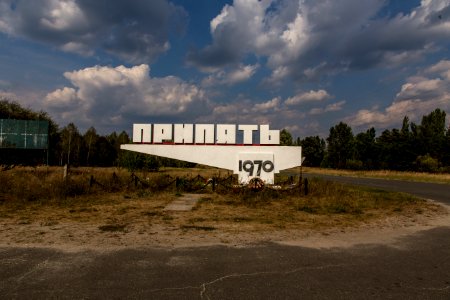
304 65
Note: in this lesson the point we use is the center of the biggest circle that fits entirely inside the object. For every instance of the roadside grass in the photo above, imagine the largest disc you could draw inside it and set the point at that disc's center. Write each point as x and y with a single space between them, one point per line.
116 202
328 204
384 174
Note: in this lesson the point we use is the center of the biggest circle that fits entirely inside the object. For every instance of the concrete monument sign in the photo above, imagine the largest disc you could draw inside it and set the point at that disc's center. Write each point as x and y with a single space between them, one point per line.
238 148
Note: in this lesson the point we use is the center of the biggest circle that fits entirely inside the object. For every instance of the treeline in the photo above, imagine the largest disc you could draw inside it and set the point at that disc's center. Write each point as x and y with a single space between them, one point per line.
413 147
68 145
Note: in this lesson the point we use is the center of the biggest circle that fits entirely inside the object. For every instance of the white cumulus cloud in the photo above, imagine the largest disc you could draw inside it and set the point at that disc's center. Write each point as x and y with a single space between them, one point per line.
233 76
271 105
330 107
306 39
104 95
417 97
311 96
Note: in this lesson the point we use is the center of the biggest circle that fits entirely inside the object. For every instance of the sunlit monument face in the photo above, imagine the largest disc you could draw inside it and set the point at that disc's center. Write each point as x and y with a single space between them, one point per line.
248 150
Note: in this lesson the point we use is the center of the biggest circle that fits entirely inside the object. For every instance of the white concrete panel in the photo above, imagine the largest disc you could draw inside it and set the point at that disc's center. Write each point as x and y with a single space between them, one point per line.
184 133
221 156
162 132
267 136
226 134
204 133
142 133
247 132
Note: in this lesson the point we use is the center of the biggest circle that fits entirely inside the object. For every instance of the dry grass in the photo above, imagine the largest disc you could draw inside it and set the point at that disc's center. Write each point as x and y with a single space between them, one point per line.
115 204
328 205
385 174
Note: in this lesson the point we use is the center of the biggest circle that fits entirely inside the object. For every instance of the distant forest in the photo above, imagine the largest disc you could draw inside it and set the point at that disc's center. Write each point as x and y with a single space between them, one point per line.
413 147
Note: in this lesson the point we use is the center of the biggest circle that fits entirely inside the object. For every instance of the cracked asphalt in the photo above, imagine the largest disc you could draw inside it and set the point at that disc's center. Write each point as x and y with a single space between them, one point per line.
415 267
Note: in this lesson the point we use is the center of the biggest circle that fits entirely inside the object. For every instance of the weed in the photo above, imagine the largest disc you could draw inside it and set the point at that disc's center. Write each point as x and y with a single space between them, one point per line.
83 210
205 200
338 208
50 223
206 228
195 220
242 219
152 213
142 193
123 210
24 222
112 227
267 221
167 218
307 208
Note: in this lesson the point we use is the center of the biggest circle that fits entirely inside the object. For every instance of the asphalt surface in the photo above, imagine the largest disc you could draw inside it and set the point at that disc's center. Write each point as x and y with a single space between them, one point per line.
415 267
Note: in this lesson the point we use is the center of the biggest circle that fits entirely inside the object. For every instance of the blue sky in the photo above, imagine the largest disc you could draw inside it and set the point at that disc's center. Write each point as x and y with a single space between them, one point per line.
301 65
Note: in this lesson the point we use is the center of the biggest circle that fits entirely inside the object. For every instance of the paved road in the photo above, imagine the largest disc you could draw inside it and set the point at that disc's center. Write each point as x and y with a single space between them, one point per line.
434 191
416 267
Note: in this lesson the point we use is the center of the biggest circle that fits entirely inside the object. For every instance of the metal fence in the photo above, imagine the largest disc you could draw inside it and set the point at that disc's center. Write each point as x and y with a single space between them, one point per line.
23 134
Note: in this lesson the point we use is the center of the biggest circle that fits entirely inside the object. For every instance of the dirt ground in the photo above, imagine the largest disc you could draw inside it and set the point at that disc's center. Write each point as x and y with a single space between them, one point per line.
140 226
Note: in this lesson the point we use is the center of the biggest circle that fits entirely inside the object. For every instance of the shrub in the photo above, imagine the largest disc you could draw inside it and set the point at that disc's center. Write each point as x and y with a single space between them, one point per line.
426 163
354 164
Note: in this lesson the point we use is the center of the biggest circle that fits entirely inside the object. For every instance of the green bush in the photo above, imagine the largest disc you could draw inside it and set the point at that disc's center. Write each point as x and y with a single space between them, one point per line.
133 161
426 163
354 164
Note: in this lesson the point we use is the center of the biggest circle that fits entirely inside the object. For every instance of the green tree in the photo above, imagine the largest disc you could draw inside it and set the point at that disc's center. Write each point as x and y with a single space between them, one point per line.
340 145
13 110
392 150
105 153
123 138
313 149
285 138
432 134
71 143
366 148
398 148
89 140
385 144
407 152
446 158
137 161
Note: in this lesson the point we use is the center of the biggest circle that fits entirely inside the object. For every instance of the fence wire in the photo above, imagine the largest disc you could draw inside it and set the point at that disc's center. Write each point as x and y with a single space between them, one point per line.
195 184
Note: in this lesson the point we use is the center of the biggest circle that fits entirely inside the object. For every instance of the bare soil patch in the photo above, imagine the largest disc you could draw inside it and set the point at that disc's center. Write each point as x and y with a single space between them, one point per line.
142 222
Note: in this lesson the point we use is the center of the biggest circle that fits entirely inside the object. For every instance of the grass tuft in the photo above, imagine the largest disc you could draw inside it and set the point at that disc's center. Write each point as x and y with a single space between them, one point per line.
112 227
196 227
